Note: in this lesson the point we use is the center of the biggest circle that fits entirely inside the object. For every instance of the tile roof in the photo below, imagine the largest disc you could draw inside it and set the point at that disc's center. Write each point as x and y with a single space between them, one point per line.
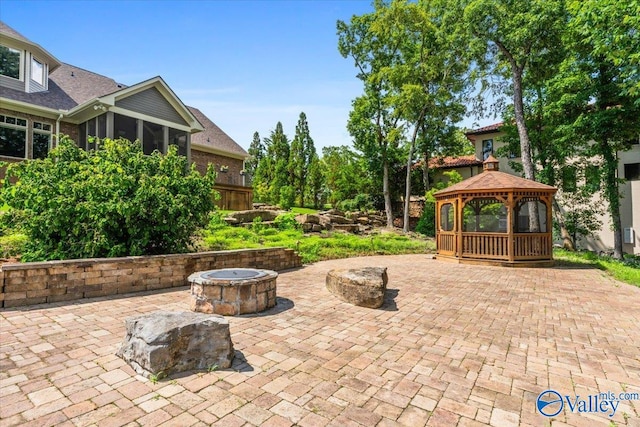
485 129
454 162
495 180
214 137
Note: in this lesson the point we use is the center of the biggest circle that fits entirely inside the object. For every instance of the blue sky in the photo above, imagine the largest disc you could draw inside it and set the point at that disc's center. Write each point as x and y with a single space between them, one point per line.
245 64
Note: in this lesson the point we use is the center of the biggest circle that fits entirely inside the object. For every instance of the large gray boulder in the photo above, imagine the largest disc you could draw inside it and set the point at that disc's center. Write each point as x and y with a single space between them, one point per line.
364 287
241 217
164 342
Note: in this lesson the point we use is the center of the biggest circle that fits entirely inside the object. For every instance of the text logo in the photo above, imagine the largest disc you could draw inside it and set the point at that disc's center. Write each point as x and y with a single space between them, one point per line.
549 403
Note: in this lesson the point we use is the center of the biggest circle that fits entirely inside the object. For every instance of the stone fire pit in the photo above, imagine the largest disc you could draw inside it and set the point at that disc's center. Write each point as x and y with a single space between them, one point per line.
233 291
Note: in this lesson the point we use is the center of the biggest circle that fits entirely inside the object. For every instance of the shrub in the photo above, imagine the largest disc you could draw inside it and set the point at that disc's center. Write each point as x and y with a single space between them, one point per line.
12 245
427 223
287 197
287 221
110 202
361 202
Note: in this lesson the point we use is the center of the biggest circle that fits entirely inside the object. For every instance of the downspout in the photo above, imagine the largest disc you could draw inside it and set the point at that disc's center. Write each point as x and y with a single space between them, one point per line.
58 128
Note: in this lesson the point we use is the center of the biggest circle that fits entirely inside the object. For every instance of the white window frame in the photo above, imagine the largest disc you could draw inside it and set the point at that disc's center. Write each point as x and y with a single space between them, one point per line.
3 123
42 68
41 131
20 67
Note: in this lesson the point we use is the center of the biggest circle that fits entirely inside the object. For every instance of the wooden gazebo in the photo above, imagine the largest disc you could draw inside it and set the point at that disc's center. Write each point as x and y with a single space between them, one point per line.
495 218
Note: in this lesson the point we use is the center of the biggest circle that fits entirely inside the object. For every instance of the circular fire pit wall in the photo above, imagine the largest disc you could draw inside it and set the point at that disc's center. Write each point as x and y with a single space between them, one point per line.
233 291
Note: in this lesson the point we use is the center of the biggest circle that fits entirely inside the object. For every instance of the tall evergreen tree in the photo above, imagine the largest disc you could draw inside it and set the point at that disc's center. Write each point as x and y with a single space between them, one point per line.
302 151
278 151
257 152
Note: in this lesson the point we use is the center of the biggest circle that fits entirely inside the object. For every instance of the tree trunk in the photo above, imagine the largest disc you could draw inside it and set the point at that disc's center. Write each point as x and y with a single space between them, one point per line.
407 192
567 241
386 193
525 145
612 194
425 171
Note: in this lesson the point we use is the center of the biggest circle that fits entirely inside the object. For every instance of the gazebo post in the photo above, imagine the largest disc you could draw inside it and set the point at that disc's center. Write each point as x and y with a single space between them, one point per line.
458 225
510 238
549 202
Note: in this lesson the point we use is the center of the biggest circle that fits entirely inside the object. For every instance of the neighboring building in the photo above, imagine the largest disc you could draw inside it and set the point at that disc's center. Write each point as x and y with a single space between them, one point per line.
488 139
41 97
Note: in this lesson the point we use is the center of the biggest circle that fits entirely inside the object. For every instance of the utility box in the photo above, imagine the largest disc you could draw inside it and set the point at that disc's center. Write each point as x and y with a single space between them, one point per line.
628 235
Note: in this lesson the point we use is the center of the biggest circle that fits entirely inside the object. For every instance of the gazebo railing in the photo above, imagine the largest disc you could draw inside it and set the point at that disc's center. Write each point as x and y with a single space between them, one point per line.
496 245
532 246
485 245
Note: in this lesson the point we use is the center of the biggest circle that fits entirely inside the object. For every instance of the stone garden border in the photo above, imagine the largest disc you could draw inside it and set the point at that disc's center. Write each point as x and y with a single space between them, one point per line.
23 284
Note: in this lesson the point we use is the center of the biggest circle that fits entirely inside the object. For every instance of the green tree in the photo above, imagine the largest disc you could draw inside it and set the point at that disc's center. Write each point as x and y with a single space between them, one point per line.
315 182
257 152
511 35
596 89
345 173
427 78
115 201
278 151
373 123
302 151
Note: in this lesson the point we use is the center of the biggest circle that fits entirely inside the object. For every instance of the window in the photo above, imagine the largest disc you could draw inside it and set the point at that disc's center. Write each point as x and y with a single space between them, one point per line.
632 171
446 217
37 71
13 137
525 211
10 62
487 148
592 178
41 140
569 179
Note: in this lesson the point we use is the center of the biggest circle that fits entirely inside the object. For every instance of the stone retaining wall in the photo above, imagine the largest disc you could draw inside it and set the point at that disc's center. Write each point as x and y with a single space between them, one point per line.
52 281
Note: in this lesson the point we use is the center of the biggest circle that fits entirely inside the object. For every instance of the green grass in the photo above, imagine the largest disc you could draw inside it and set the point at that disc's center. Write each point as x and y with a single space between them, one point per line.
4 208
627 271
315 247
304 211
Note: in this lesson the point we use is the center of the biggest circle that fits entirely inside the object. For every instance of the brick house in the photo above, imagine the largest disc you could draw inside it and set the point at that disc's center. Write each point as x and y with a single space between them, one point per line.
41 97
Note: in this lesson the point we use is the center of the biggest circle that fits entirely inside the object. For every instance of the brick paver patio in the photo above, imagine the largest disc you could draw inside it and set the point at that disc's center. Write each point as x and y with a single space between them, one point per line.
453 345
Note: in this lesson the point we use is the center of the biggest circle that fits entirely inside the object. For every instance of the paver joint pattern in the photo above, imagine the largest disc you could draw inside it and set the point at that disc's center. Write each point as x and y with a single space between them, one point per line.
452 345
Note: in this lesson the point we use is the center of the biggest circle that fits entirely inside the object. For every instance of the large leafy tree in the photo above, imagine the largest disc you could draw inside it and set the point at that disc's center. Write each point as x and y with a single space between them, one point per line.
509 36
597 89
427 79
373 123
345 173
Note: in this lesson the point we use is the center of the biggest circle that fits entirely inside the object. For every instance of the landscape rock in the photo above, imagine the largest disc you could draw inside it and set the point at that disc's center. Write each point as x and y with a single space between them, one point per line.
164 342
240 217
364 287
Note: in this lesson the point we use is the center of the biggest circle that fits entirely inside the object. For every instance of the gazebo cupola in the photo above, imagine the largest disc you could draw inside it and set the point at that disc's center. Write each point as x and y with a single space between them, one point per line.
495 218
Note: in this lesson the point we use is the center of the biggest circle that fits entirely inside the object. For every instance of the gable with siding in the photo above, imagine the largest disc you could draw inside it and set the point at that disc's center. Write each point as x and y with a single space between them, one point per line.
151 103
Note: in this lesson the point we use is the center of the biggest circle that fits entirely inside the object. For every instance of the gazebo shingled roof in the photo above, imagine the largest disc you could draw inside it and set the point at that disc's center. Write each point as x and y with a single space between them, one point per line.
495 181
